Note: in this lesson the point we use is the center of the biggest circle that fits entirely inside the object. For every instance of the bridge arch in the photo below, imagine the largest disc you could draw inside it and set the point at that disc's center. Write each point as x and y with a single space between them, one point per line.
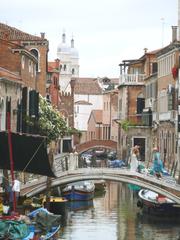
125 176
80 148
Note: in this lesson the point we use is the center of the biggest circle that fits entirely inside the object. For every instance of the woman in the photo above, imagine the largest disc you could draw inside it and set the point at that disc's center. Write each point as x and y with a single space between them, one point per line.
134 159
157 163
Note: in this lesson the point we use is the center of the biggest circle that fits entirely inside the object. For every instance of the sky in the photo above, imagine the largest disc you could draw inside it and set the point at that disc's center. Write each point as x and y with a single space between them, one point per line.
105 32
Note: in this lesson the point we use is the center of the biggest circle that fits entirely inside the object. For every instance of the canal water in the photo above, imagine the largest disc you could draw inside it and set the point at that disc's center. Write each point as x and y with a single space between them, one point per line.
113 215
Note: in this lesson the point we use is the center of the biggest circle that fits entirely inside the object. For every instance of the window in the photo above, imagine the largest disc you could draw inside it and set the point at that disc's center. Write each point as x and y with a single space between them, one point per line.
64 67
154 67
140 104
29 66
23 62
36 54
77 109
163 101
73 71
55 81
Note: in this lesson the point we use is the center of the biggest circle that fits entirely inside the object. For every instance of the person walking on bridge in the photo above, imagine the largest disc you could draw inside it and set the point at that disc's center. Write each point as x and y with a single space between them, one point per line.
134 159
157 162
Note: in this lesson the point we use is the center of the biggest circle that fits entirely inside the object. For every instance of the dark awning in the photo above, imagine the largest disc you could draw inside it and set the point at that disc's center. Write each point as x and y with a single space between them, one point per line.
29 154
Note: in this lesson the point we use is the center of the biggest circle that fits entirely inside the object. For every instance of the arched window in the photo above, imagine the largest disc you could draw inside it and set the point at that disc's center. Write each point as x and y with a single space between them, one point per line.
64 67
73 71
36 54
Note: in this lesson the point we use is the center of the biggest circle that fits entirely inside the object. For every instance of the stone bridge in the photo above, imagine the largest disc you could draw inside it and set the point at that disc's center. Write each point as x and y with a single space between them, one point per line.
95 144
162 186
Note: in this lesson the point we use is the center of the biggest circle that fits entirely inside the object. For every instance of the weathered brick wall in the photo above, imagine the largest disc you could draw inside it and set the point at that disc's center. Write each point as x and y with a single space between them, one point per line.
42 73
9 60
66 106
133 93
94 143
12 62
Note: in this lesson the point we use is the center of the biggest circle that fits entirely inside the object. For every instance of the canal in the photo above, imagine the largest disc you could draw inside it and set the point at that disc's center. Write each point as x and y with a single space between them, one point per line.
113 215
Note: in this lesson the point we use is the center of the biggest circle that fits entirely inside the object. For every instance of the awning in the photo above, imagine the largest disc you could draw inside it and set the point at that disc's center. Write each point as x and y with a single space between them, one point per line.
29 154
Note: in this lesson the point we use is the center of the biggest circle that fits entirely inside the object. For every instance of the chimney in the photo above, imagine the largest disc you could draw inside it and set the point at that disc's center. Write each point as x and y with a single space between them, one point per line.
145 50
72 43
57 63
174 33
42 35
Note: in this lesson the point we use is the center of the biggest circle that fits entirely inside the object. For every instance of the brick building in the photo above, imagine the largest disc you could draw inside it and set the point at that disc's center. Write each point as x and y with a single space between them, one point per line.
18 81
37 46
52 83
94 131
109 115
134 130
10 97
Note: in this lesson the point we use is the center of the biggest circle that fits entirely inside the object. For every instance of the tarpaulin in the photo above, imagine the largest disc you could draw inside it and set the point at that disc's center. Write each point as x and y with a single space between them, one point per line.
29 153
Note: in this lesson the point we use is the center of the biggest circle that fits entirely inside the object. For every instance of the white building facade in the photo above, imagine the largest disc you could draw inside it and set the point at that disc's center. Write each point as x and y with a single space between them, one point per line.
69 67
88 96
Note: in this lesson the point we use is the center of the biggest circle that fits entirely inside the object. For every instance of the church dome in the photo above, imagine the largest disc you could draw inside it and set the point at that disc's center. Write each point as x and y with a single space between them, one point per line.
63 47
74 53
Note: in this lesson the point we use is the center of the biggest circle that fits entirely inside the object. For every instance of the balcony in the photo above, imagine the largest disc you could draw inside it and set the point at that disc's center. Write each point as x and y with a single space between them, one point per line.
168 116
131 79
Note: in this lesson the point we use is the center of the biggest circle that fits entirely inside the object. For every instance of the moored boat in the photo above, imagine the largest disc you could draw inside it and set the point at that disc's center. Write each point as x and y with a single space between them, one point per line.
44 223
57 205
39 224
79 191
156 204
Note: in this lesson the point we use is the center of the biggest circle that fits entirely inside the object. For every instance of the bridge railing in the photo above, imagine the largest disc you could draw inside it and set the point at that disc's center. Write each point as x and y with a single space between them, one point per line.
72 161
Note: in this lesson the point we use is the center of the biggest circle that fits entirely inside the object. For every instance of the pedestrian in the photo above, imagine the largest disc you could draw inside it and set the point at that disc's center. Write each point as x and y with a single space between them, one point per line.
134 159
157 162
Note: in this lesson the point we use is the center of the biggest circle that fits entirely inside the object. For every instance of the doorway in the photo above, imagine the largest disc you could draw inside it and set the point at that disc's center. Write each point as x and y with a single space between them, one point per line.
141 142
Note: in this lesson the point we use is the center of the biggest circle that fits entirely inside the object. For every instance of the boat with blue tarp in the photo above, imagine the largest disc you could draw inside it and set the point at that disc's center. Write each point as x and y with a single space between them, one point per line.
79 191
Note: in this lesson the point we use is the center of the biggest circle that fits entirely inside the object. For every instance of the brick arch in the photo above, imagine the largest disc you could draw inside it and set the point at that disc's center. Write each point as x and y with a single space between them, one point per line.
96 143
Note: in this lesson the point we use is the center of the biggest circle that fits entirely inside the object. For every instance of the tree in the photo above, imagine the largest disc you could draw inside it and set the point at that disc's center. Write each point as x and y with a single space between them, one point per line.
50 122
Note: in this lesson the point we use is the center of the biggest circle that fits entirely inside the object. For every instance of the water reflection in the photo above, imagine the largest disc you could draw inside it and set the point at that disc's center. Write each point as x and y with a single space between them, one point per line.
80 205
115 216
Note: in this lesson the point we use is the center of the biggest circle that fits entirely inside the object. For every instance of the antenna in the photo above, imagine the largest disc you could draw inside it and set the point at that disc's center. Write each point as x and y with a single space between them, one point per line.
162 20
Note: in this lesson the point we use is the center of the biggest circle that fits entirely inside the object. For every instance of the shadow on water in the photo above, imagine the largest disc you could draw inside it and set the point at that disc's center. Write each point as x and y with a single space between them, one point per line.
157 220
158 227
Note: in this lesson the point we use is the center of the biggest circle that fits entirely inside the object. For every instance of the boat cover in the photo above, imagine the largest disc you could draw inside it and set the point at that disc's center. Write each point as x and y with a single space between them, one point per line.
13 229
44 219
29 153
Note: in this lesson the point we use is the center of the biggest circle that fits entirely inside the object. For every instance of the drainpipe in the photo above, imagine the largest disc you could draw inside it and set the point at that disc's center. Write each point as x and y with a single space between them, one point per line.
178 126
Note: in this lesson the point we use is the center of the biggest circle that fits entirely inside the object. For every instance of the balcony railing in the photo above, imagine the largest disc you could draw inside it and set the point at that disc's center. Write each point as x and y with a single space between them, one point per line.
167 116
131 79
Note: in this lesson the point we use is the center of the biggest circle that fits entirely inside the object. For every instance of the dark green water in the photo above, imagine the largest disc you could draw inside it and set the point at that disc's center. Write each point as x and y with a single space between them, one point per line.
115 216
